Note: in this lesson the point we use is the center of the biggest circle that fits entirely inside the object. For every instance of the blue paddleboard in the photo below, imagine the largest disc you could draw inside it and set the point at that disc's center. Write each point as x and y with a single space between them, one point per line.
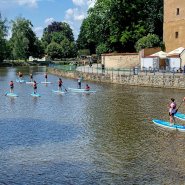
168 125
58 92
11 94
20 81
35 95
180 116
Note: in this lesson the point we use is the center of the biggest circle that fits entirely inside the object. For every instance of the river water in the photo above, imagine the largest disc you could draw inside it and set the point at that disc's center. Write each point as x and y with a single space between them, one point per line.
75 139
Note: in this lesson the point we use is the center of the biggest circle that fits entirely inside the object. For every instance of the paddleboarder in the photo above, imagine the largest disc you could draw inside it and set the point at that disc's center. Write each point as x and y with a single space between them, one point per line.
60 84
31 77
172 110
87 87
11 86
46 77
20 75
79 82
35 86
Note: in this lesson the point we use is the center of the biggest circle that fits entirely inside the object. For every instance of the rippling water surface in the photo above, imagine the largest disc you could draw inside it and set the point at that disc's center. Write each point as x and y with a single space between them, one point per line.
102 138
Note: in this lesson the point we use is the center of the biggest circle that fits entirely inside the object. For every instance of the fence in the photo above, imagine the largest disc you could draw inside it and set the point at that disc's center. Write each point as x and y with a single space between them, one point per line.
97 69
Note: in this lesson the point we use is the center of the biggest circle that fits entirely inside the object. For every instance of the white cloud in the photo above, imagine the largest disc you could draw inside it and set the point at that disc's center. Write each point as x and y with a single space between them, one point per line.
49 20
75 16
38 31
30 3
79 2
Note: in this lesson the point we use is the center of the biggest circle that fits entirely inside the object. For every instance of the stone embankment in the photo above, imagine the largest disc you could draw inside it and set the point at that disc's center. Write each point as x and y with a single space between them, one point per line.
161 80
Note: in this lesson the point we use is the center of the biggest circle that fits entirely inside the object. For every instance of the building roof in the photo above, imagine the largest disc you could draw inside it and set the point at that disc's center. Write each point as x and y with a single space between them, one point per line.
160 54
176 52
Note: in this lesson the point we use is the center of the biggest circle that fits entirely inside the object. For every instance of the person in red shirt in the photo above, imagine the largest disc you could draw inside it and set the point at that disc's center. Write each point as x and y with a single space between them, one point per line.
11 86
87 88
60 84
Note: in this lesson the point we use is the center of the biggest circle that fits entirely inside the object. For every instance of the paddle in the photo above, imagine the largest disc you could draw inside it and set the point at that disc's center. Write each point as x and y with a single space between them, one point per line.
179 105
65 88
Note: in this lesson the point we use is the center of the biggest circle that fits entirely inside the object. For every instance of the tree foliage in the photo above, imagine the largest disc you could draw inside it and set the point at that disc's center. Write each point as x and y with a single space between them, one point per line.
120 24
24 42
58 40
3 41
149 41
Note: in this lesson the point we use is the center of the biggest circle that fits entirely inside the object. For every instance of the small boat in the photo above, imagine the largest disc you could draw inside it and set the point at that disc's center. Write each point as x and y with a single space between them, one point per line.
80 90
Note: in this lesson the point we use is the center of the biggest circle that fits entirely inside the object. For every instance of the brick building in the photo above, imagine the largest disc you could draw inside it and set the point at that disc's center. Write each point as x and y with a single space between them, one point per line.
174 24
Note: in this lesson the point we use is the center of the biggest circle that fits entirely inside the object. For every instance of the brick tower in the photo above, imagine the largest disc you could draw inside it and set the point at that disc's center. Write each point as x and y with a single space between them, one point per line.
174 24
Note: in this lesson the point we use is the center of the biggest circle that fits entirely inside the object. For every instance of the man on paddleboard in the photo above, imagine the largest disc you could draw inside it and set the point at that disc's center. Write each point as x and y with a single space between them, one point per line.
46 77
35 86
20 75
60 84
79 82
172 110
11 86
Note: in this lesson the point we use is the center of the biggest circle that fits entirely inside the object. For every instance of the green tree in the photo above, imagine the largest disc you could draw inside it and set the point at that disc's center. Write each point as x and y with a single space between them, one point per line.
3 42
58 37
54 50
24 42
149 41
120 24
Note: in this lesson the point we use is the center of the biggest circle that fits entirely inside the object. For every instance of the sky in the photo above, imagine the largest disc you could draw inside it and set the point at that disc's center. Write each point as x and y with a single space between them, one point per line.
42 12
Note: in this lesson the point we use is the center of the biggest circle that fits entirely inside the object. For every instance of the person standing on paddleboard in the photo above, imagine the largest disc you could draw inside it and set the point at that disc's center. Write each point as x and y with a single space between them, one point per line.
60 84
11 86
172 110
20 75
46 77
35 86
31 77
79 82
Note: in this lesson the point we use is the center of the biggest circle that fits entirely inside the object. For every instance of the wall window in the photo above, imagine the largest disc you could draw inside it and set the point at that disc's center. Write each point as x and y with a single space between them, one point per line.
178 11
176 34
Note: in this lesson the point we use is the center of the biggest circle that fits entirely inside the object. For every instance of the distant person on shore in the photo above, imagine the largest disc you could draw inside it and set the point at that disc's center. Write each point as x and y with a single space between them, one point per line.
172 110
11 86
60 84
79 82
34 87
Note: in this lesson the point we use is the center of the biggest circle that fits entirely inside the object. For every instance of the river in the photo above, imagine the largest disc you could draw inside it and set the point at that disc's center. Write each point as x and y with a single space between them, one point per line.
76 139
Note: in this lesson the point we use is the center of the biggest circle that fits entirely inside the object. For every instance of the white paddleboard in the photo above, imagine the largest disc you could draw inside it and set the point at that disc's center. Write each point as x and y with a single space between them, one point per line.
46 82
58 92
81 90
11 94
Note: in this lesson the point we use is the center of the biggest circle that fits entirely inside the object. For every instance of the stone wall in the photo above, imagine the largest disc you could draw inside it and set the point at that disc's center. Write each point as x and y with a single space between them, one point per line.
120 60
159 80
